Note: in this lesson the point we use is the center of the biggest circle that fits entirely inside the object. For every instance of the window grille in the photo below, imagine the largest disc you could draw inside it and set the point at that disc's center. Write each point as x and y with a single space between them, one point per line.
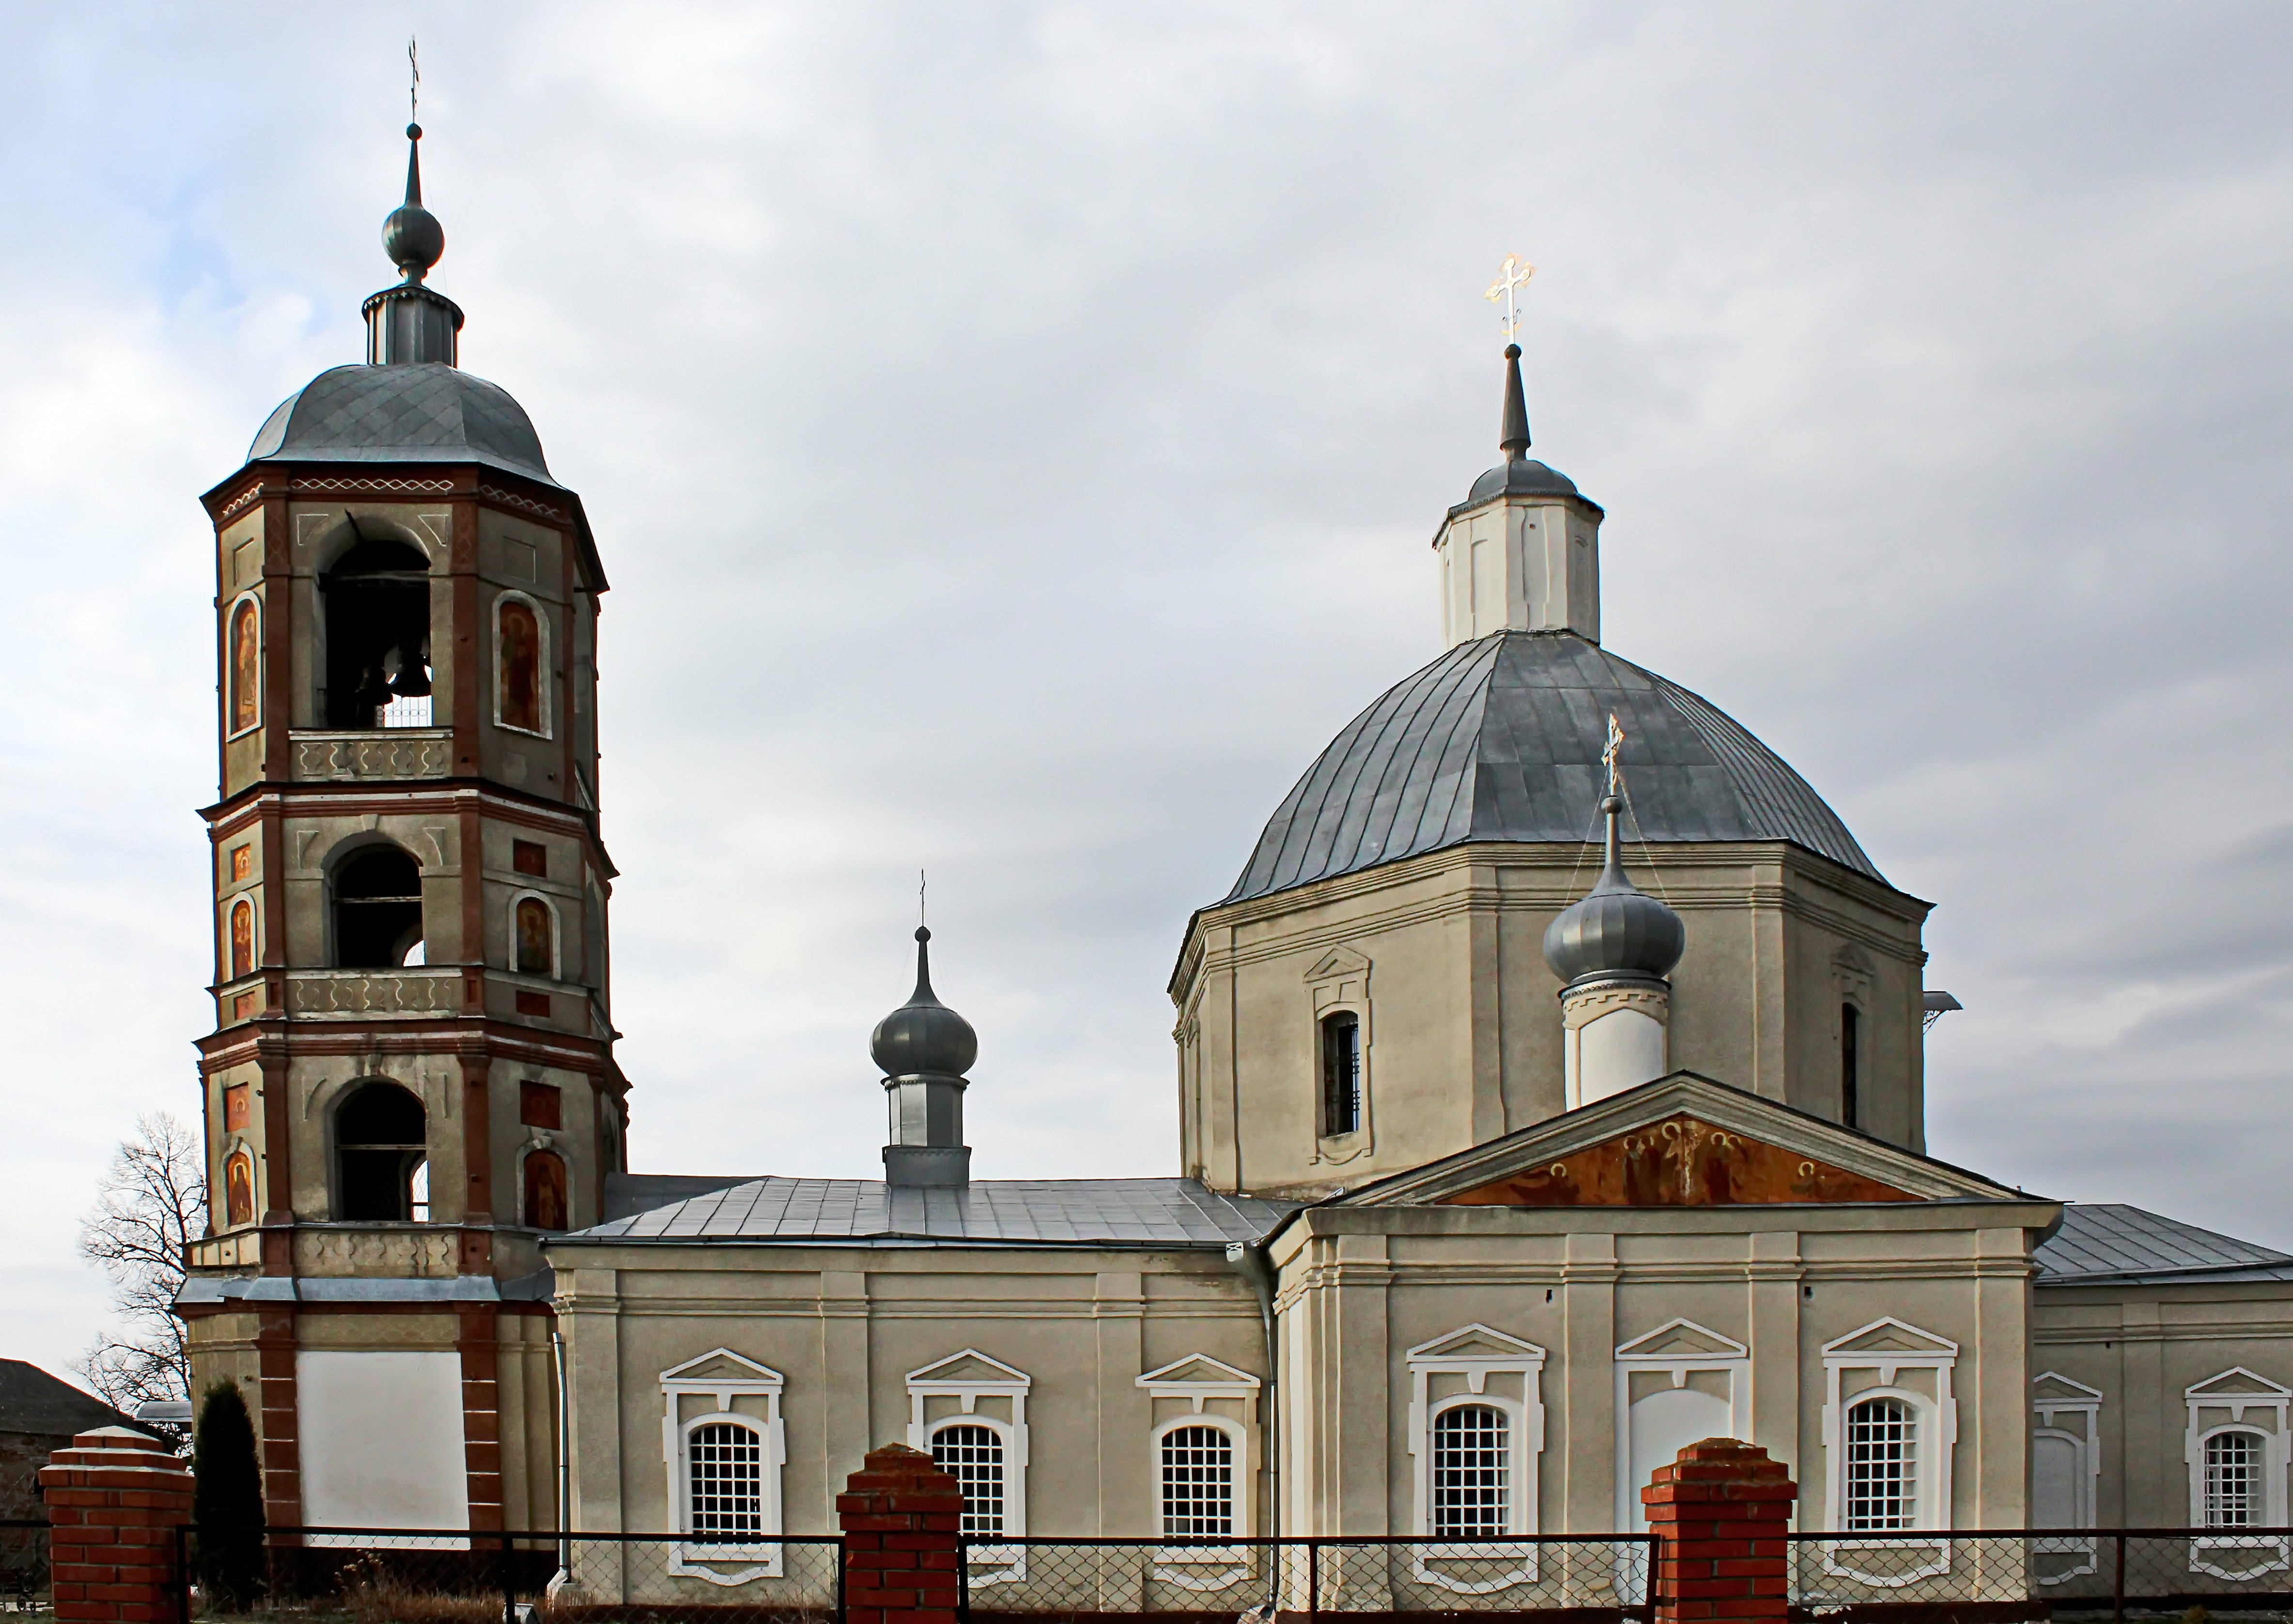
1472 1472
1882 1466
973 1456
406 713
2233 1480
1197 1482
1341 1099
725 1467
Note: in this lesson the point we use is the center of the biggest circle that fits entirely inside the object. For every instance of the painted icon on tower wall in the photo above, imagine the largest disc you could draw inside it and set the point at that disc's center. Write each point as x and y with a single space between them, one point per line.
521 666
246 668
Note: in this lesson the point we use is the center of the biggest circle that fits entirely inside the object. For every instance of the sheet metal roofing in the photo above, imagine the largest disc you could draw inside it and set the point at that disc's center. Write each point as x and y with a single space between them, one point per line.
420 413
2106 1241
32 1401
1169 1212
1500 738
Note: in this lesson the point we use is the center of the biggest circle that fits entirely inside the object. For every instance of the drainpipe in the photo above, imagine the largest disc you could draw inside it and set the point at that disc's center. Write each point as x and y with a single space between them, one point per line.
564 1468
1250 1261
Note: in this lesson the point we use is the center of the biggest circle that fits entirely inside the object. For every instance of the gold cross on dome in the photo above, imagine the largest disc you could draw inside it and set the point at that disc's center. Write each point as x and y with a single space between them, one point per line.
1612 757
1512 276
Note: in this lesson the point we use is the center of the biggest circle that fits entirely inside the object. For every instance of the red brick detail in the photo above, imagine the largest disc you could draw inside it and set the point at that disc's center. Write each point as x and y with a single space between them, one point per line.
1722 1510
117 1497
903 1556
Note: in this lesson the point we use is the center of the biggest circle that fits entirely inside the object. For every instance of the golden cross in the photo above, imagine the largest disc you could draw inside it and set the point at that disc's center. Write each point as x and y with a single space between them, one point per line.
1613 756
1512 276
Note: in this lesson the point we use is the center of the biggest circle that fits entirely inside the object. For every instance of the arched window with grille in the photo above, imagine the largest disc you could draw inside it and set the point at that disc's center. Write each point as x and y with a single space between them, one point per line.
1341 1089
1883 1465
724 1444
1195 1477
1472 1472
2234 1489
725 1481
973 1455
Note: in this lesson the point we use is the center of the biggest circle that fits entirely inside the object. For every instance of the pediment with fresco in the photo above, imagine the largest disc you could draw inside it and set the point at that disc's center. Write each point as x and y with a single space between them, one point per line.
1680 1161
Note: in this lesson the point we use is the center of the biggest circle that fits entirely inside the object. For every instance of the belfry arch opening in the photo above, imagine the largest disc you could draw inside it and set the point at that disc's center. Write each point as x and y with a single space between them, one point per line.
378 908
377 615
382 1156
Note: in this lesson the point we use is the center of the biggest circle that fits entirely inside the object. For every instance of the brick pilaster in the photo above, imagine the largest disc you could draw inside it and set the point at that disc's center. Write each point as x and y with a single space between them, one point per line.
902 1555
1722 1510
115 1499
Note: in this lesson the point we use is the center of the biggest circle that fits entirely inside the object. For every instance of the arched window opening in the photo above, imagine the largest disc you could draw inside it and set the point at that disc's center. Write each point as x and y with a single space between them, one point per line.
545 1191
1341 1092
2233 1488
1472 1472
1850 1054
239 1189
246 667
377 598
536 938
1883 1465
382 1156
242 939
520 643
378 909
724 1480
1198 1481
973 1455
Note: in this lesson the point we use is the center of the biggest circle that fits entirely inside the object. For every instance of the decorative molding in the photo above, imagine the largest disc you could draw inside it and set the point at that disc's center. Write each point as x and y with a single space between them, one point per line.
491 493
375 487
1583 1008
239 504
1478 1352
380 754
1889 1347
1678 1348
351 994
723 1377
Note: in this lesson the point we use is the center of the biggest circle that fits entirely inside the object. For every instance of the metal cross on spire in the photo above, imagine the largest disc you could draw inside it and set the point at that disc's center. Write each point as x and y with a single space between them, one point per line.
1512 276
414 83
920 884
1612 755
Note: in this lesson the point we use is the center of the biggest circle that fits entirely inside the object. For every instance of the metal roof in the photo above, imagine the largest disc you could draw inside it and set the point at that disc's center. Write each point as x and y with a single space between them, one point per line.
1164 1212
2107 1243
32 1401
426 412
1500 738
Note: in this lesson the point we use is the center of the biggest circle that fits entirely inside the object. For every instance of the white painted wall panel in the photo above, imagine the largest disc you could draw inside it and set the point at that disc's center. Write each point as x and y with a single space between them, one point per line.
381 1439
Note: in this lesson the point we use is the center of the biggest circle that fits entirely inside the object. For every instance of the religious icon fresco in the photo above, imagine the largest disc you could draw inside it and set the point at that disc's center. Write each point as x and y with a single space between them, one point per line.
544 1190
521 666
239 1188
246 668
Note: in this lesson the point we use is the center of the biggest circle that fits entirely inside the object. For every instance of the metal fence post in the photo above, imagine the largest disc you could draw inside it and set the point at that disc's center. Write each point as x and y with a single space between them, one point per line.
508 1583
2118 1586
183 1573
1313 1577
963 1578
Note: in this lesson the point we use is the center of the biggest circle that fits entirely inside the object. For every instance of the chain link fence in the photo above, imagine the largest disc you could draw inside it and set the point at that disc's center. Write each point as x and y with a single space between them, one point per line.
24 1566
1596 1579
1994 1578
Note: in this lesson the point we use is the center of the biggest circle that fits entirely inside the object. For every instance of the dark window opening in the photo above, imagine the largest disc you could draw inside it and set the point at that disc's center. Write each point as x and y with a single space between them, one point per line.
377 911
381 1149
1851 1044
530 857
377 598
539 1105
1341 1100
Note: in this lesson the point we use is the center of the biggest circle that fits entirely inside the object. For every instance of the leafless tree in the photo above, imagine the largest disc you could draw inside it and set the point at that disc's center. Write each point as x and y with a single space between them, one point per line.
151 1202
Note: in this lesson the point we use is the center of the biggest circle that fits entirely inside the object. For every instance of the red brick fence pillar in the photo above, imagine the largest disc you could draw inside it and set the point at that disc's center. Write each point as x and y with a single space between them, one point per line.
115 1499
1722 1510
902 1555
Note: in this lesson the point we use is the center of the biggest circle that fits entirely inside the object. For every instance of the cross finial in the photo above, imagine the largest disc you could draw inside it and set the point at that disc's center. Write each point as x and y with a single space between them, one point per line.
1612 755
920 884
1512 276
414 83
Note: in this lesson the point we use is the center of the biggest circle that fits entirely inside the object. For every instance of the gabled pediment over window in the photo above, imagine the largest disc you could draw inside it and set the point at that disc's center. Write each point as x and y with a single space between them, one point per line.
969 1368
1683 1339
1681 1140
720 1367
1200 1370
1891 1335
2237 1382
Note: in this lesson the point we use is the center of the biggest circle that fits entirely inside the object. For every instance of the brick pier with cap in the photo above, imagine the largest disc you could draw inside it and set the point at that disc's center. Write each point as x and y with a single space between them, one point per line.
115 1498
1722 1510
903 1550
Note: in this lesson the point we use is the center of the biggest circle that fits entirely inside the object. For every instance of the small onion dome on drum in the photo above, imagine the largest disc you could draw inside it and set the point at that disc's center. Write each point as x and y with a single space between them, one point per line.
924 1036
411 236
1616 929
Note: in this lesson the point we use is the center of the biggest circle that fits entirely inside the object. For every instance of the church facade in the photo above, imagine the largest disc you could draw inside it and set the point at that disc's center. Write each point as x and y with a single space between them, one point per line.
1550 1096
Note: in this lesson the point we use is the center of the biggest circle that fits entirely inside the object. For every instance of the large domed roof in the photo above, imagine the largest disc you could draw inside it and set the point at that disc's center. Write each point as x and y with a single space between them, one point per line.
427 412
1500 738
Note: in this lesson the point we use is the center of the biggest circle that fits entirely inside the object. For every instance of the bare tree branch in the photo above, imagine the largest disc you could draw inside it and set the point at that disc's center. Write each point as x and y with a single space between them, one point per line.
150 1205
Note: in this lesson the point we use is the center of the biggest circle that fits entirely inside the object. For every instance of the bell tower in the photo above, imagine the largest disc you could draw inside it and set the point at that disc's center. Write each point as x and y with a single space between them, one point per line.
411 1080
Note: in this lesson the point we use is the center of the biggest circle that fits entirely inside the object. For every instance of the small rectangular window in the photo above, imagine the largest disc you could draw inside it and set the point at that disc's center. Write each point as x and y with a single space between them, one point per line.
1340 1074
538 1105
1851 1044
532 1003
530 857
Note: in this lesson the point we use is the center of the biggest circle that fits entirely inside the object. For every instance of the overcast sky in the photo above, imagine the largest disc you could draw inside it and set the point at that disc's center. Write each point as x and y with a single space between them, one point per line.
1013 433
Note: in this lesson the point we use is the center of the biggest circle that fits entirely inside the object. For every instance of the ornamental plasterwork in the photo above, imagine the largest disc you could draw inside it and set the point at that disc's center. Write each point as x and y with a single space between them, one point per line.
1583 1008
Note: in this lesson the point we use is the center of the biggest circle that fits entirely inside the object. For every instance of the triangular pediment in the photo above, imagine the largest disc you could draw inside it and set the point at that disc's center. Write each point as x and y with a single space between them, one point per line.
2054 1385
1197 1370
969 1368
1338 962
1893 1336
2237 1382
1681 1140
720 1365
1683 1339
1475 1342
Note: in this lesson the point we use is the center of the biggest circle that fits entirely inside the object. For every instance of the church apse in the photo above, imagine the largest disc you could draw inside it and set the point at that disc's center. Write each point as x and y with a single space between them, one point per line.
1679 1161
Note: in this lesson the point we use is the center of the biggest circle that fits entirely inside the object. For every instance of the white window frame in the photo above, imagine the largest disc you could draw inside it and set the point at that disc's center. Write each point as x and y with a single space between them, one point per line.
1338 983
721 1563
1731 1358
541 669
2084 1404
1001 1566
1196 1381
556 933
1936 1419
1454 1354
2230 1556
231 668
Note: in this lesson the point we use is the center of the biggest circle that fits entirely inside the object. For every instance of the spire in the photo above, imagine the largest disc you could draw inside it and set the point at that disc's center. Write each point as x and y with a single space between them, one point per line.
924 1048
1513 439
410 323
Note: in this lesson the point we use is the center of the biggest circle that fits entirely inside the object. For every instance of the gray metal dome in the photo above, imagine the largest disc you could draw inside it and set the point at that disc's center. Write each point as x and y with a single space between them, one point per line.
1500 739
923 1036
1522 476
428 412
1614 929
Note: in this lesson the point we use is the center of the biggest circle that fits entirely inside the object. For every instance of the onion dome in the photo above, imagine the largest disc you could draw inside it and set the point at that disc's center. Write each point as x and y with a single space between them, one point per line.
1616 929
923 1035
412 236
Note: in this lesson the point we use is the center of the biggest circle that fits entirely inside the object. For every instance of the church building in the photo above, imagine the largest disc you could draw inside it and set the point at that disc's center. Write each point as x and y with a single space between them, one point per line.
1550 1086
